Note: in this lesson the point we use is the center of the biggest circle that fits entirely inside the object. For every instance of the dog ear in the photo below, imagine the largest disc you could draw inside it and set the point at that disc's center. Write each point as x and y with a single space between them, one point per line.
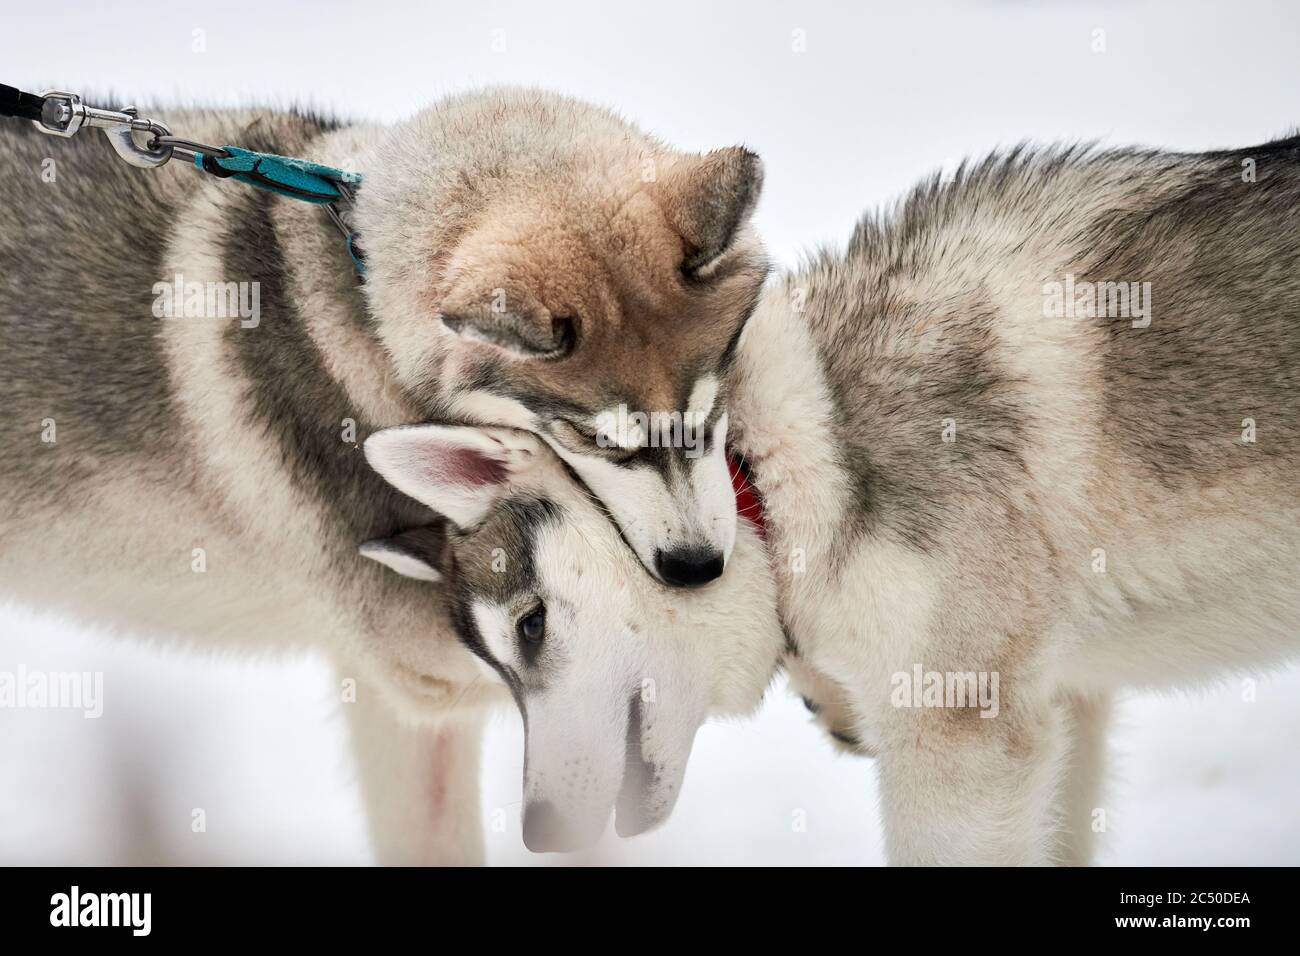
708 198
459 472
512 332
420 553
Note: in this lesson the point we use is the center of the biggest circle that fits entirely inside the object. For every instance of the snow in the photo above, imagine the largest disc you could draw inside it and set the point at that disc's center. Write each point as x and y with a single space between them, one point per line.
883 94
1199 779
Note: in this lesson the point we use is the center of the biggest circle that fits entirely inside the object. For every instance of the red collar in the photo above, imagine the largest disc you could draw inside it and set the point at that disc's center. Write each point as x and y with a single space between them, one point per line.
748 503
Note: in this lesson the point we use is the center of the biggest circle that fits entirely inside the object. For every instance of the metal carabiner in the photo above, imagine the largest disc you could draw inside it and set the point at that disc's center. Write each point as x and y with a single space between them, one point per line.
122 138
63 114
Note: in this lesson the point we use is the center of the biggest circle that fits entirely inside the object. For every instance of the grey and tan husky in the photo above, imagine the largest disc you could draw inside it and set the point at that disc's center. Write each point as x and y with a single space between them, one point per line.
1032 439
189 368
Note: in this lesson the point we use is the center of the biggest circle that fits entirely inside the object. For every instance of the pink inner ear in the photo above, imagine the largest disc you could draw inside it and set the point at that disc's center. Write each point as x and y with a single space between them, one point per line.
467 468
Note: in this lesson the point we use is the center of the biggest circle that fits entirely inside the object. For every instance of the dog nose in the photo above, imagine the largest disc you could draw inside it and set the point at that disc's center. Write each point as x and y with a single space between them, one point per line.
689 567
544 830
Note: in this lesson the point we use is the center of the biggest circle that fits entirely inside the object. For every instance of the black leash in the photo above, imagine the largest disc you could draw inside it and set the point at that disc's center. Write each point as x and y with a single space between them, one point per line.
20 105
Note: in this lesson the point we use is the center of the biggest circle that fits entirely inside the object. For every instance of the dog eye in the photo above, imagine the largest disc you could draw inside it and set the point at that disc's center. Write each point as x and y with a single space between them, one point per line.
608 449
584 442
620 456
532 626
572 436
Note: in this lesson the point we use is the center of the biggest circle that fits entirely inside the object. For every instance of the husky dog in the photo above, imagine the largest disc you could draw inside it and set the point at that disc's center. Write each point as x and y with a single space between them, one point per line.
612 671
975 479
197 474
541 264
990 505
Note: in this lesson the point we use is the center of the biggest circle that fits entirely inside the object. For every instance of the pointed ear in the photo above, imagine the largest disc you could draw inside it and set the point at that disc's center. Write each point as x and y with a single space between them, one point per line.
708 198
459 472
419 553
521 335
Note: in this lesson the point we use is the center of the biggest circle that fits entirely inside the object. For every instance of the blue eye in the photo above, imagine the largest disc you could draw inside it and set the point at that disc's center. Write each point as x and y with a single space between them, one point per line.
532 626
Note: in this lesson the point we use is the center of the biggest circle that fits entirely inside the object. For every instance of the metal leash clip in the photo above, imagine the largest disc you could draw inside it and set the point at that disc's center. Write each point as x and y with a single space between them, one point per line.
63 114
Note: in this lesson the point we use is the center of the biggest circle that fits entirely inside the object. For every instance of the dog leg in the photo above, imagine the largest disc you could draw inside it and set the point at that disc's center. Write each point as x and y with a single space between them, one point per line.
420 785
961 790
1081 786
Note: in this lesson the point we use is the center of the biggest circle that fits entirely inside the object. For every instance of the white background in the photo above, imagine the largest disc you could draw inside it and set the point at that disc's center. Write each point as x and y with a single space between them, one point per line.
883 94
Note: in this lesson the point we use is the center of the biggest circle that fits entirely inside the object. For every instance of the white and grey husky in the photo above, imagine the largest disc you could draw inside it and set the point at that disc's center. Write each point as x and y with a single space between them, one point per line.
612 671
186 464
1032 439
979 456
985 465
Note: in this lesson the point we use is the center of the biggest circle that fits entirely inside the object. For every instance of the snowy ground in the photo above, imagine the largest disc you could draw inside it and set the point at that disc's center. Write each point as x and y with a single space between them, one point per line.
1204 779
880 95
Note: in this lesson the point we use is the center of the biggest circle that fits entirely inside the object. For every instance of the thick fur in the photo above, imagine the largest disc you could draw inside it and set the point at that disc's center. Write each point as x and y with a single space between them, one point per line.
206 481
1070 437
192 433
536 262
620 670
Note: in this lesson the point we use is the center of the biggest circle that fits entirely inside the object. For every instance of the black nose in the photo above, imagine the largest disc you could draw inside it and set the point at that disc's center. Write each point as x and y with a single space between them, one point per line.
688 567
544 828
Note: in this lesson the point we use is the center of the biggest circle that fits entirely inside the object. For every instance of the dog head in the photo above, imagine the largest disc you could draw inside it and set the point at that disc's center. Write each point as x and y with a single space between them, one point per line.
612 671
538 263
